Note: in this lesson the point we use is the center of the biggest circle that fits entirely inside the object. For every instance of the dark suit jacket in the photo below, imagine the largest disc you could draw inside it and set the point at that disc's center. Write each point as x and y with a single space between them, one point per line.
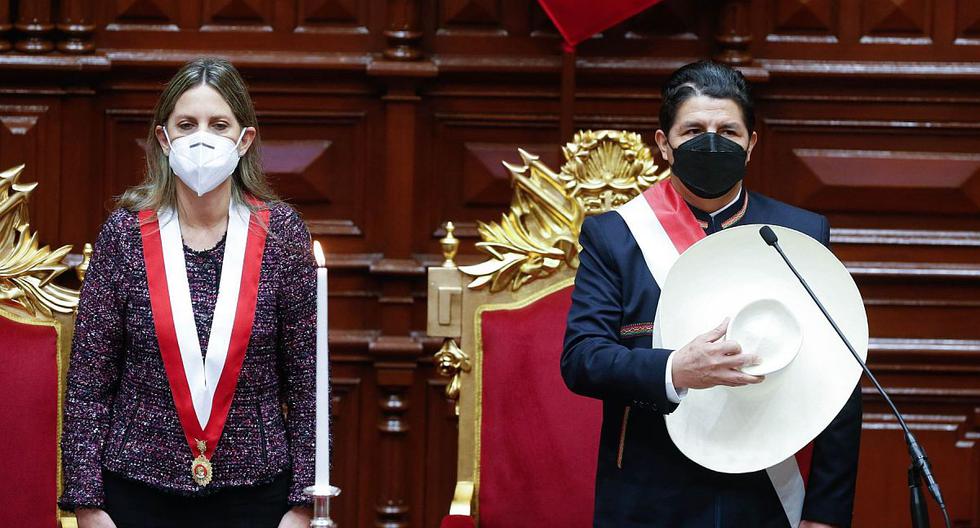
643 480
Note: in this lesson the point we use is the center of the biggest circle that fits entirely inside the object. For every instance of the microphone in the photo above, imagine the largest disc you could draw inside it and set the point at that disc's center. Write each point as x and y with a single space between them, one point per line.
770 237
920 463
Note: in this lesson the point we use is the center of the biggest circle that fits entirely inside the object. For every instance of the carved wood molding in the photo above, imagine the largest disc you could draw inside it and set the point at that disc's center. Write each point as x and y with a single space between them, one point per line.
904 237
915 270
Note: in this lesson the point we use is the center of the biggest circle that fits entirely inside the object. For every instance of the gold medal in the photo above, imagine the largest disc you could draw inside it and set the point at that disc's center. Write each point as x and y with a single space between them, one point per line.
201 466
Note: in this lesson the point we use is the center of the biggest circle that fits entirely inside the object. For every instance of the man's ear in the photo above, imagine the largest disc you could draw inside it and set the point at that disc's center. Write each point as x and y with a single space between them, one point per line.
752 140
162 140
247 138
666 152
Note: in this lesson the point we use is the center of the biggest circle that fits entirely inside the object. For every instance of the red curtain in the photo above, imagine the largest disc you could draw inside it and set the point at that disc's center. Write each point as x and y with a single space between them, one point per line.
578 20
28 417
539 441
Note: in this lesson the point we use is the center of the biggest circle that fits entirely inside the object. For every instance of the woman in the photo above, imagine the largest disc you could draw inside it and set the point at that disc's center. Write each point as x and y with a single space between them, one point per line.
176 386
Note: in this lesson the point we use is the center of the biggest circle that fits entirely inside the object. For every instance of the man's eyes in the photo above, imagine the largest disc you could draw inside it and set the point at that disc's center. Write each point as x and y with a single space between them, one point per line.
731 132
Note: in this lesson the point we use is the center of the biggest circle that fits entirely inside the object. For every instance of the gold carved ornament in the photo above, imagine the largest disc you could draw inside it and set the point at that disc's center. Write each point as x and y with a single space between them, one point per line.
539 234
450 360
26 268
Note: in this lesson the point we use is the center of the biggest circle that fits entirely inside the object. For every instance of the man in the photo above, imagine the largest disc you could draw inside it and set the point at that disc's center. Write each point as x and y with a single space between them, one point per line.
643 480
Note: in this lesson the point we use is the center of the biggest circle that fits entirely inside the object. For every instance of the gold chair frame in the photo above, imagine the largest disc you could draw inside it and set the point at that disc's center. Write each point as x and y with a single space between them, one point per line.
28 294
533 251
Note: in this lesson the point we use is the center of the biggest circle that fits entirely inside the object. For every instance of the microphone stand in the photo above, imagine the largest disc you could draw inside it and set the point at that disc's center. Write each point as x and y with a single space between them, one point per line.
917 501
920 468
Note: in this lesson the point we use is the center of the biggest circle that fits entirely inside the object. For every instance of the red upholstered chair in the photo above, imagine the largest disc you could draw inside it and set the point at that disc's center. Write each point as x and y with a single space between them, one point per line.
527 445
35 339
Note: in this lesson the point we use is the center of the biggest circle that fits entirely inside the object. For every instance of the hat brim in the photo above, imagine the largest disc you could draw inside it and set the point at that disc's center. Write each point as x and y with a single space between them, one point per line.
751 428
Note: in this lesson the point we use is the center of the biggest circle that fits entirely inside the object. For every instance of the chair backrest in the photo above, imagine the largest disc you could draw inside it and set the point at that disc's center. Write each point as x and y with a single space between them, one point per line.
527 445
35 339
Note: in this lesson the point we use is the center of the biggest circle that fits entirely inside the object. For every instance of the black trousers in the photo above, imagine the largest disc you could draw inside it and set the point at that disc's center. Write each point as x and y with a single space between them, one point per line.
135 505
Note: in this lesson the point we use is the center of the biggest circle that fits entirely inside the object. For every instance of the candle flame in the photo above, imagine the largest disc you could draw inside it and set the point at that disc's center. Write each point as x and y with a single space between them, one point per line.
318 253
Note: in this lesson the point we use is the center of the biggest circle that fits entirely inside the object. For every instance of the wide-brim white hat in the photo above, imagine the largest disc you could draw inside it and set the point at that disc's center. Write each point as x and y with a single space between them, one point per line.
750 428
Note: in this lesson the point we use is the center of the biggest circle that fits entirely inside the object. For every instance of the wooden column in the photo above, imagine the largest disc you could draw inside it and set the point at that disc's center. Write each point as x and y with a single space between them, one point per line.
77 23
5 25
734 33
403 32
567 98
34 21
396 350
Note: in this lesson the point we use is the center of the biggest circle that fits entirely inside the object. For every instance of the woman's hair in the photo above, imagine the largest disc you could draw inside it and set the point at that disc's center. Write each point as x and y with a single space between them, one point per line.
710 79
158 188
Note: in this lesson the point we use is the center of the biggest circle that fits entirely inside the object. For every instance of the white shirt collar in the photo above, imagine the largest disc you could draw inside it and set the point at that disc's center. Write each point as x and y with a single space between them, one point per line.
729 204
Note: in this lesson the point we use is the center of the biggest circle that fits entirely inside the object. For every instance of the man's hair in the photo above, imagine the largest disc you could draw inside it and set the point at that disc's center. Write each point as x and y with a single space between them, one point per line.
709 79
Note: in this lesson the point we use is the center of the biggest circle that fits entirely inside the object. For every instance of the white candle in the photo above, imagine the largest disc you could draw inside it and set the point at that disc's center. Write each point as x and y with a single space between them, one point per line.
322 480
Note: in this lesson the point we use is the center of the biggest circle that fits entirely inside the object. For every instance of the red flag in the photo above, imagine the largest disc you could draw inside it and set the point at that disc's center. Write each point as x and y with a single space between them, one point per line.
578 20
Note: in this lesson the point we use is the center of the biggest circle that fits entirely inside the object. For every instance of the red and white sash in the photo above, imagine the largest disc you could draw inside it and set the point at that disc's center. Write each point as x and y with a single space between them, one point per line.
203 389
664 227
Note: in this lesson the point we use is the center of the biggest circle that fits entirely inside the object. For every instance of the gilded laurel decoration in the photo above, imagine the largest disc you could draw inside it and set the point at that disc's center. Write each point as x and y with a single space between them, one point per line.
26 268
535 237
539 234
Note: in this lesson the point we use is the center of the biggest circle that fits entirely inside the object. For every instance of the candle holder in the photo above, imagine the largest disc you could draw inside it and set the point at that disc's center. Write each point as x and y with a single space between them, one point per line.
321 505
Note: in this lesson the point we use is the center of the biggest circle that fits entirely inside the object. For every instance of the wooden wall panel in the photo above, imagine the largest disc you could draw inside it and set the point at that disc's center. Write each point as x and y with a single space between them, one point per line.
470 182
950 440
440 450
347 414
238 15
383 119
338 16
967 23
125 154
860 169
318 161
29 130
154 16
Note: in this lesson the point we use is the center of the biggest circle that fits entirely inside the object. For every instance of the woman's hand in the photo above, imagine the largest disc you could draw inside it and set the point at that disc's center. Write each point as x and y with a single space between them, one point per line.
93 518
297 517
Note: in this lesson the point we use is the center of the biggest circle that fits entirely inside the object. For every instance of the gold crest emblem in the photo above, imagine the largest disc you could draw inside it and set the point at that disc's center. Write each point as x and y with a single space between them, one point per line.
201 466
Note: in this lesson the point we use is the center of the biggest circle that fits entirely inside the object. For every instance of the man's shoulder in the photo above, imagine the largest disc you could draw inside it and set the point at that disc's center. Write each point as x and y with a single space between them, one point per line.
609 230
772 211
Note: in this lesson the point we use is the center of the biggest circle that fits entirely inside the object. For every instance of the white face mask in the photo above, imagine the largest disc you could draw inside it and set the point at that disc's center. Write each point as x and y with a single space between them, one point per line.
203 160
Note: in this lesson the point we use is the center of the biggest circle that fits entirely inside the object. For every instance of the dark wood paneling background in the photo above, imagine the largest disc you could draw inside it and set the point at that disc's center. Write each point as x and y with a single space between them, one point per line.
382 119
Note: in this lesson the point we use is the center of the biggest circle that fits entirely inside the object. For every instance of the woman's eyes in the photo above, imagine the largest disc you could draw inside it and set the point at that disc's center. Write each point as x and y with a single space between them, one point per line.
187 125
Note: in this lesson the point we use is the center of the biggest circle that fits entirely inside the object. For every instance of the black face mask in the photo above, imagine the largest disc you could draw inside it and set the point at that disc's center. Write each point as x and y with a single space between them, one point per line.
709 165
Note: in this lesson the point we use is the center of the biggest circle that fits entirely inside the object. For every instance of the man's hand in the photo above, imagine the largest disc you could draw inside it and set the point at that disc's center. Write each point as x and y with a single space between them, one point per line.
811 524
297 517
93 518
707 361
